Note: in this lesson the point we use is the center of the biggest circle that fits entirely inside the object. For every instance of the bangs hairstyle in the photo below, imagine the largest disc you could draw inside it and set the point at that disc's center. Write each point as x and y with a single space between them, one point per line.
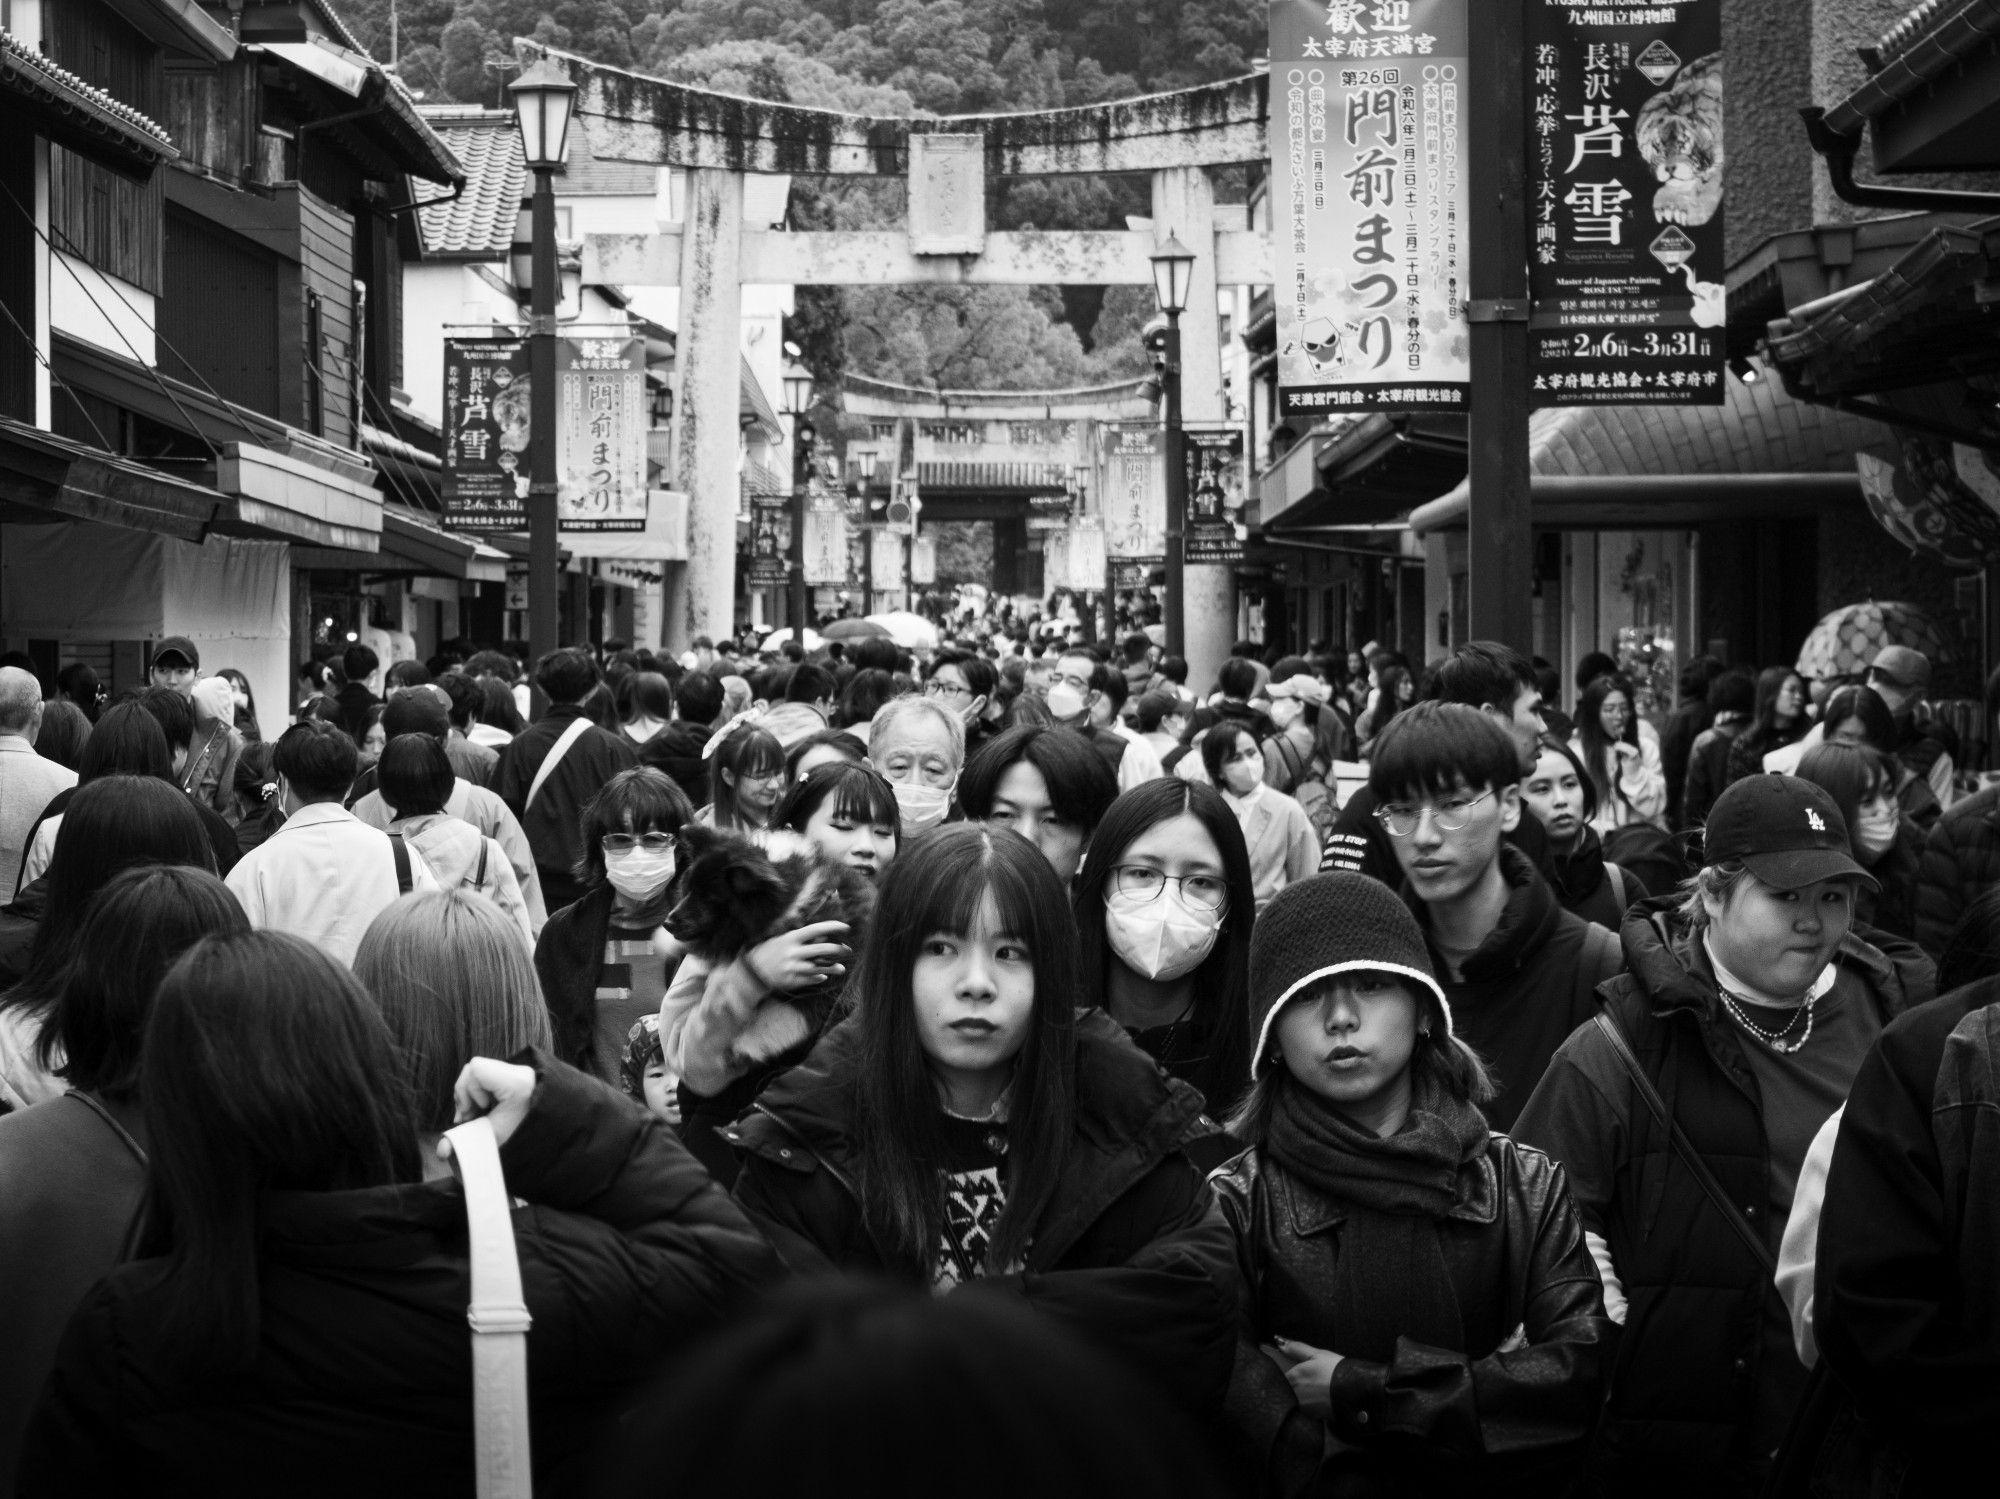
454 982
1483 674
132 932
745 751
247 1095
1434 749
1081 786
1868 705
1849 773
1218 745
938 886
858 792
839 740
1222 982
638 800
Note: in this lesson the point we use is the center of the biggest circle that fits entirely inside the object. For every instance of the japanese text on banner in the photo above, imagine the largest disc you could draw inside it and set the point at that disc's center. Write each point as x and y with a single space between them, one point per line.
1369 201
485 448
601 434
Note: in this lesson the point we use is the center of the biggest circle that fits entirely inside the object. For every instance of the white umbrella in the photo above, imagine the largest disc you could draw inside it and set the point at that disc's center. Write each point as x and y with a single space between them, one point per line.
777 638
911 631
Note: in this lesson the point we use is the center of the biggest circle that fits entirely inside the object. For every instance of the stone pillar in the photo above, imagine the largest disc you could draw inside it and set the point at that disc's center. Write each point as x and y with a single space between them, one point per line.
706 401
1184 205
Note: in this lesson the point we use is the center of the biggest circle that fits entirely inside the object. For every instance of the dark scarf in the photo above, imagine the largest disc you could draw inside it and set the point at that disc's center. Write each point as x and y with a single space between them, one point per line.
1576 875
1392 1281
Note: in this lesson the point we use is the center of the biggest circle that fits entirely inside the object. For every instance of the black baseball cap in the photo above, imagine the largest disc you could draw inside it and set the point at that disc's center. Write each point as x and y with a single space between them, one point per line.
177 645
1784 829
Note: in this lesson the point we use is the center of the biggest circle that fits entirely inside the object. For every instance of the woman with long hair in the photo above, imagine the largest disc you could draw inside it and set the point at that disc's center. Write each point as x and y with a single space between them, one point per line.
1887 842
1449 1335
967 1123
499 720
299 1295
1859 715
127 741
75 1166
746 774
645 704
454 983
1276 829
1781 719
244 702
111 825
1398 690
63 733
1563 798
1164 905
1621 751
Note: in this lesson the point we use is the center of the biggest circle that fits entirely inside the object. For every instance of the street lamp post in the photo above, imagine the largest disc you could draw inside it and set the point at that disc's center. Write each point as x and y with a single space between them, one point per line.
867 462
543 96
1173 272
798 383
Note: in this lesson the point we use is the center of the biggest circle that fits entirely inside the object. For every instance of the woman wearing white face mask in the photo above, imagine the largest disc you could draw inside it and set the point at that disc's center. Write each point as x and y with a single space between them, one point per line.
600 965
919 747
1163 908
1887 841
1276 830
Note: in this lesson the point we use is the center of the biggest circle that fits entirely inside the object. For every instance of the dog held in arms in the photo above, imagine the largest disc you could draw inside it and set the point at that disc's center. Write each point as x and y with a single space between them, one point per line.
734 895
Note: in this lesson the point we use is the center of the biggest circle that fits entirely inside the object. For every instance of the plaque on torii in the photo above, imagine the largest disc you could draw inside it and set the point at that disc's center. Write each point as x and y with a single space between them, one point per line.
947 191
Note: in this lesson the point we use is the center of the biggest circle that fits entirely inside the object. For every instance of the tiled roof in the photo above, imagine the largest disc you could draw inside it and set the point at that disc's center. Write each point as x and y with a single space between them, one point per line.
1914 25
23 65
480 224
587 175
1933 40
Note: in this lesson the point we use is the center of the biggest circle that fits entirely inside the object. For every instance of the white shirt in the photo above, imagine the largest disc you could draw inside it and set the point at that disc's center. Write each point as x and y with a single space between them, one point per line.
28 783
323 876
485 811
1140 763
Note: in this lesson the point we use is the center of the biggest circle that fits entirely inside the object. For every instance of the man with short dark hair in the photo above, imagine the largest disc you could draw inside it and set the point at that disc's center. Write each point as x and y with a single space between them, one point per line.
698 700
323 875
469 762
555 766
1481 674
1079 684
1520 972
1141 654
175 664
357 663
812 686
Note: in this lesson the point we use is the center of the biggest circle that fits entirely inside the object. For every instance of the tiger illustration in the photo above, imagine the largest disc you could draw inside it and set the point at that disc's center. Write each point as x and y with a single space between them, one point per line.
1679 132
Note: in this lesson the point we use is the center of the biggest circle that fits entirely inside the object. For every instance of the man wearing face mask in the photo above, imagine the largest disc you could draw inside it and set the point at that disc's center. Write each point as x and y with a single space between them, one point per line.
919 747
1081 682
1902 677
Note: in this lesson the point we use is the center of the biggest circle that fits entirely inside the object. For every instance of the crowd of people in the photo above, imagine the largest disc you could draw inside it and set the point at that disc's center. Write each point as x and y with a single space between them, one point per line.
1001 1067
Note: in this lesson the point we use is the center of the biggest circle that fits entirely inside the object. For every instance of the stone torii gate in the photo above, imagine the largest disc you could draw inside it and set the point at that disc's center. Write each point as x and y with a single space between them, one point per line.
717 138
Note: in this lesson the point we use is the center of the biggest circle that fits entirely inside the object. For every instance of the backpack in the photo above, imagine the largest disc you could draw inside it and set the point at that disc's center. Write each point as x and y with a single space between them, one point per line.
1649 853
1309 788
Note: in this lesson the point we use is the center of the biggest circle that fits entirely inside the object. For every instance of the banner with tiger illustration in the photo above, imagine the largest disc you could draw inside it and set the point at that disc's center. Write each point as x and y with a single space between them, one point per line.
1625 253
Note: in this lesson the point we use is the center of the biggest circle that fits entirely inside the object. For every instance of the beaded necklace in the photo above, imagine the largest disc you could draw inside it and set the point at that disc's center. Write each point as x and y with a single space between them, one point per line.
1773 1039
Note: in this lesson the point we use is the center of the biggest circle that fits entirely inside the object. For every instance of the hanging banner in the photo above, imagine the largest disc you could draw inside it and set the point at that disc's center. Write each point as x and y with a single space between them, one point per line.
1135 491
885 558
770 540
1084 560
601 422
923 562
1369 201
826 536
1216 490
1625 172
485 457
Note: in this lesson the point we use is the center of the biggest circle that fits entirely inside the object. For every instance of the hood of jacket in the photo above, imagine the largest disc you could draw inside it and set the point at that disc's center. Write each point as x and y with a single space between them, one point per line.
1529 920
1130 1116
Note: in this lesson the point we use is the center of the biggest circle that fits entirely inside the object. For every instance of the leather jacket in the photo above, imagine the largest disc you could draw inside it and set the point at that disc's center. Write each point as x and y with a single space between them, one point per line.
1512 1409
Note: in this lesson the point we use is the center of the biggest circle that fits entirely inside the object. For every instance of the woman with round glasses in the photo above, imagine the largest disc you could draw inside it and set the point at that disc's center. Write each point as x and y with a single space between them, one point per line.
966 683
1164 903
600 965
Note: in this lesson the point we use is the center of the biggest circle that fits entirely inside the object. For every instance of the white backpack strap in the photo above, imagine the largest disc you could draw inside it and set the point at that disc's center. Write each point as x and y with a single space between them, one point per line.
499 1318
578 727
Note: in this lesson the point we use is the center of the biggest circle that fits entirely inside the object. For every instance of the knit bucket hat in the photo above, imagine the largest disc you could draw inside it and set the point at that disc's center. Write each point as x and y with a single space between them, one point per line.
1327 925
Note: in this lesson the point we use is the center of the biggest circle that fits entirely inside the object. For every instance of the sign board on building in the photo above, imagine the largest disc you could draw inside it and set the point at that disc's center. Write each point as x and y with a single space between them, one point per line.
826 536
1135 572
601 423
770 540
923 562
1135 491
1216 490
1625 209
947 186
885 558
1368 204
485 450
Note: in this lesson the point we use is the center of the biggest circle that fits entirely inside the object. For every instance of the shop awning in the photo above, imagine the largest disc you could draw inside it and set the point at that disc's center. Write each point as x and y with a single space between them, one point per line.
46 479
76 116
1376 470
1761 454
368 110
413 544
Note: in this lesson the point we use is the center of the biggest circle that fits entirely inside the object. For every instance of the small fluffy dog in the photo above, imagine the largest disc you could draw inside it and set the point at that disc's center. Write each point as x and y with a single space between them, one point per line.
735 895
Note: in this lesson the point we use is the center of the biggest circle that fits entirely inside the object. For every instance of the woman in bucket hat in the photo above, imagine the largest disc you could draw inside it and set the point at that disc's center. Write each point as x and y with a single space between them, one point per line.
1420 1312
1747 1007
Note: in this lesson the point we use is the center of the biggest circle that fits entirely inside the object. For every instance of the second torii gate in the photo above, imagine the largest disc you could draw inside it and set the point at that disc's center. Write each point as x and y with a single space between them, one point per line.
718 138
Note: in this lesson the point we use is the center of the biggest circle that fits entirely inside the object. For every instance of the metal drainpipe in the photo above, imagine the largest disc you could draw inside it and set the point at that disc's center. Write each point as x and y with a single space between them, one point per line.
1839 152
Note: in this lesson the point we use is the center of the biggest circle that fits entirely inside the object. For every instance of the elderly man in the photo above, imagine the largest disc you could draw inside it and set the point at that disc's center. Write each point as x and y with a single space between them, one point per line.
27 782
919 746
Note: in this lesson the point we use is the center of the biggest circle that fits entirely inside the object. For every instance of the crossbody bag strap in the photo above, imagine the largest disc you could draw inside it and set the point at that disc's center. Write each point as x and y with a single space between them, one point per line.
405 881
578 727
1684 1147
191 777
499 1318
479 875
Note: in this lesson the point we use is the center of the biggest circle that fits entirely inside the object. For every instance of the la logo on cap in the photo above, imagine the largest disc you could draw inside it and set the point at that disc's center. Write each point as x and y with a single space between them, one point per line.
1815 821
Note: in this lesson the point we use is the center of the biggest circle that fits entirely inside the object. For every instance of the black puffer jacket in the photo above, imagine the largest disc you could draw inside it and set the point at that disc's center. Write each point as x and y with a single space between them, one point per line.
1131 1248
1509 1411
1684 1390
1585 886
363 1380
1961 861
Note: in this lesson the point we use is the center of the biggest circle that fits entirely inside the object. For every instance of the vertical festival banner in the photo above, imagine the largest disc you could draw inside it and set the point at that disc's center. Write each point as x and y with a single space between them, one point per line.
1135 491
485 457
1368 204
601 434
1625 209
770 540
1216 490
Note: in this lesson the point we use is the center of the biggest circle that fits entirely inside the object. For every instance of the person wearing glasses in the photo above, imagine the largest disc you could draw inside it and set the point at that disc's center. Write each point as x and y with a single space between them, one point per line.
965 683
1079 687
600 964
1164 904
1519 972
